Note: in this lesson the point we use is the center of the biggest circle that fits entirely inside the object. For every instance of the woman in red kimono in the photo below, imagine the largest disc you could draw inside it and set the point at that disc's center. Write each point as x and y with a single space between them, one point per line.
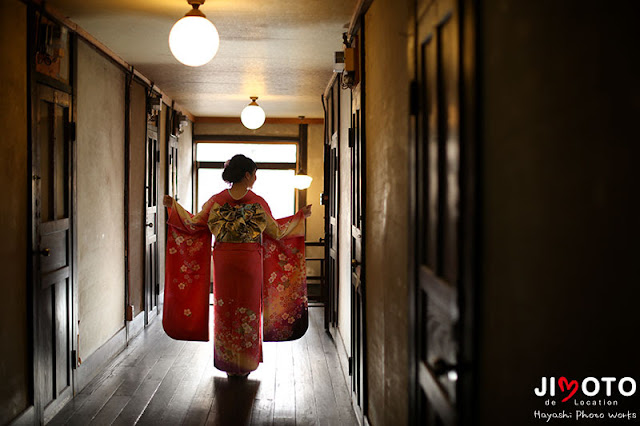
259 272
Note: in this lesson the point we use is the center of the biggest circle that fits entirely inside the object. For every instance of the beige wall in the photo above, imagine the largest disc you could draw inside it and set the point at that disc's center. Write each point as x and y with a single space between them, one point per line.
162 189
100 195
137 211
344 223
386 123
185 167
14 223
315 161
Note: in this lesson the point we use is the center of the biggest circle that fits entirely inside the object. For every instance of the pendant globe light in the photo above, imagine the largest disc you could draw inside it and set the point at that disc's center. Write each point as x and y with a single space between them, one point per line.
252 115
194 40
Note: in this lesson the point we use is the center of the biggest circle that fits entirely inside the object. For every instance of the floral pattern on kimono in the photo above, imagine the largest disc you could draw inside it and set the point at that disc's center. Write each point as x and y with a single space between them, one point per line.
242 269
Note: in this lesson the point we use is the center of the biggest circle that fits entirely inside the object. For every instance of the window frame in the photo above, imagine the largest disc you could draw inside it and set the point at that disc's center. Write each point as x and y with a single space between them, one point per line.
239 139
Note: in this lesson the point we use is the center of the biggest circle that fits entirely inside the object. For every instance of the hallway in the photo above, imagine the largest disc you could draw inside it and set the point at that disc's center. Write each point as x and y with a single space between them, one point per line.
471 164
161 381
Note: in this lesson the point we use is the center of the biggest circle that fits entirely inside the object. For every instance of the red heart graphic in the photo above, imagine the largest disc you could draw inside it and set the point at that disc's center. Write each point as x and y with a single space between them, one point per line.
562 382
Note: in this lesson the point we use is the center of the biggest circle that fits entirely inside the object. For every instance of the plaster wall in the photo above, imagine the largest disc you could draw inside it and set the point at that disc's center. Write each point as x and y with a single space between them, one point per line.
386 230
100 194
137 209
344 222
185 167
14 222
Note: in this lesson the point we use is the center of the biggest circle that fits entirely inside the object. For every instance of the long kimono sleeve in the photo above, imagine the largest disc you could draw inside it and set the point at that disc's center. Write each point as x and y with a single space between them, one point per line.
285 301
182 220
291 227
187 274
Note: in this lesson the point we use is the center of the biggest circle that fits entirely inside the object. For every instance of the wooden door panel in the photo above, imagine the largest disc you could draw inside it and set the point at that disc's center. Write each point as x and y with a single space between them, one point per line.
55 245
358 314
438 202
151 222
62 305
332 190
51 198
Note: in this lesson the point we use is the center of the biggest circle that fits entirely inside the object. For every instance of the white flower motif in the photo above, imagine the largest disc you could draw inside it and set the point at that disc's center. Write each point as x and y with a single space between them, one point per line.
288 267
282 257
220 302
280 287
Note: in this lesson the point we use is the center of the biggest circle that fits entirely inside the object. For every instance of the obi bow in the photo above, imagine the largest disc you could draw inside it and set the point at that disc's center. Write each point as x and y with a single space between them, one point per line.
242 223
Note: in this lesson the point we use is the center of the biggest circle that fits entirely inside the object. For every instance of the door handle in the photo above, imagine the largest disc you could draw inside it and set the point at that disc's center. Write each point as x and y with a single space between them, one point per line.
150 225
45 252
355 263
442 367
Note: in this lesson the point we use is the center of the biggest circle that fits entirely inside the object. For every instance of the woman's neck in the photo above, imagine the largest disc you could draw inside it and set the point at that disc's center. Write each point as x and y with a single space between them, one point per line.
238 190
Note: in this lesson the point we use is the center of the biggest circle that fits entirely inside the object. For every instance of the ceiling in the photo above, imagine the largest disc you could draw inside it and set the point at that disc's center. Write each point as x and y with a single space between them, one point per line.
279 50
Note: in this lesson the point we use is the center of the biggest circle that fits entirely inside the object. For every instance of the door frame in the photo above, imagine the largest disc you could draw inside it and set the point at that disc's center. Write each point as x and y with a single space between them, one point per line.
331 103
151 280
35 413
469 282
357 144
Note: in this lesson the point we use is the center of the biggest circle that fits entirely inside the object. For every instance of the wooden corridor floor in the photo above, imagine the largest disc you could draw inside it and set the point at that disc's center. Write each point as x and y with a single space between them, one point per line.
160 381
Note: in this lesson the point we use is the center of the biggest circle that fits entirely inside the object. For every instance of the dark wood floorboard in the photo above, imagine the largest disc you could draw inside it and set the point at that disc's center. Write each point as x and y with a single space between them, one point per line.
160 381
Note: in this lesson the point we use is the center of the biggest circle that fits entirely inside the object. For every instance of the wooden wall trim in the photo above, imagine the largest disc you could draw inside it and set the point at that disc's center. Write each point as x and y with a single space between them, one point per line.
135 326
269 120
98 360
27 417
245 138
361 8
332 80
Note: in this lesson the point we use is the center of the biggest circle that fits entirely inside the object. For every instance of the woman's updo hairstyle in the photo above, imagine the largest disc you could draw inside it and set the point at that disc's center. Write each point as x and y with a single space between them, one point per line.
235 169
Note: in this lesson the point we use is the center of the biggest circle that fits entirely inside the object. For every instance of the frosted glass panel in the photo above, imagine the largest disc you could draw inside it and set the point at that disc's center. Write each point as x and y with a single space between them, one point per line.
260 153
275 186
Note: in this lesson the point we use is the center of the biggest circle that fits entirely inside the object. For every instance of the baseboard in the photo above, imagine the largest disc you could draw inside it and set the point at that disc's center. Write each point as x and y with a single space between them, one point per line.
136 326
27 417
98 360
152 315
343 357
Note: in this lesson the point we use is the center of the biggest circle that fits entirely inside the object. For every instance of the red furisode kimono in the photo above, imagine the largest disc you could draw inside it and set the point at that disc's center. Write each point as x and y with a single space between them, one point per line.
259 275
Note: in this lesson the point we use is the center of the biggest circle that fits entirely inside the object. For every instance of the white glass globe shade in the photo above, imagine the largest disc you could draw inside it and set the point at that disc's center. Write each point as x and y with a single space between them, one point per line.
302 181
194 40
252 117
